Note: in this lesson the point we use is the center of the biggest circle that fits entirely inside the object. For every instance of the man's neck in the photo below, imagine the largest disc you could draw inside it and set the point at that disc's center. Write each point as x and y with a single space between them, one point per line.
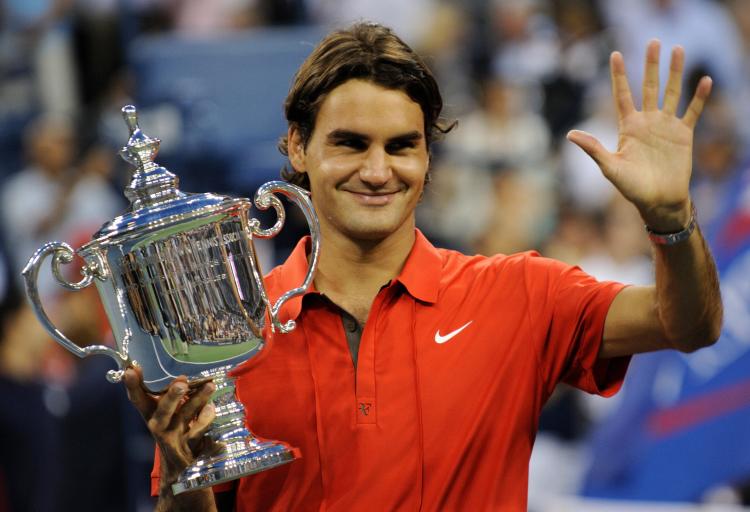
351 272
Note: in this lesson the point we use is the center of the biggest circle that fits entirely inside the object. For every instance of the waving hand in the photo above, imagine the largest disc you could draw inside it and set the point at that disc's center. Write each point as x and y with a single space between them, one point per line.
653 161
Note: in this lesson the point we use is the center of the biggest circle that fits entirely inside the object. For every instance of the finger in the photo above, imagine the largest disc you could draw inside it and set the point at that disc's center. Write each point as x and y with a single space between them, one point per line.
620 87
202 422
167 405
143 402
695 108
196 403
651 76
674 83
592 147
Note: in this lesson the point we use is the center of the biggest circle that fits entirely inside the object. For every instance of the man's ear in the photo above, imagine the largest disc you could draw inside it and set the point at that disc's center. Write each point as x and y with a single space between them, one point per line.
296 149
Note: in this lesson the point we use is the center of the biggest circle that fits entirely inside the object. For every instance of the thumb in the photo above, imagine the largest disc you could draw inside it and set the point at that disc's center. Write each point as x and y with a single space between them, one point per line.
592 147
133 379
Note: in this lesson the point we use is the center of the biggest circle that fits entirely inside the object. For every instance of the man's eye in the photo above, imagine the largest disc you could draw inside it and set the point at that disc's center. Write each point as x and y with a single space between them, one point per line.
395 147
352 143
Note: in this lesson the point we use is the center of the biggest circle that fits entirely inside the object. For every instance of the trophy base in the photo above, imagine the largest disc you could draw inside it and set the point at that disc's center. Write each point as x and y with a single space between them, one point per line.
234 463
239 452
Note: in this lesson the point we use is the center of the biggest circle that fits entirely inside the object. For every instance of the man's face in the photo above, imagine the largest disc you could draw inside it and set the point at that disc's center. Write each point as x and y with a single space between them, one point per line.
366 159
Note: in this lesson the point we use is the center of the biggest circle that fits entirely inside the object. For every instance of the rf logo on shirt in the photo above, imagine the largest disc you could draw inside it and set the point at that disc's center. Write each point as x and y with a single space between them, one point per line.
364 408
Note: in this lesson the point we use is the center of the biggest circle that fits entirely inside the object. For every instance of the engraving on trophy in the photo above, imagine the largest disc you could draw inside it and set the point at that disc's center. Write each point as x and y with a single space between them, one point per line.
195 291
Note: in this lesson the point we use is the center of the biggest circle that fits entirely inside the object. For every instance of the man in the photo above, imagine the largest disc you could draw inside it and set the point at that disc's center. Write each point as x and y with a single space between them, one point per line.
415 376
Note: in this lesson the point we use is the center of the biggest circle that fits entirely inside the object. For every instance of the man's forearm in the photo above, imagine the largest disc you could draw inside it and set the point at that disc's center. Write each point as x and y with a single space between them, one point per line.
193 501
688 294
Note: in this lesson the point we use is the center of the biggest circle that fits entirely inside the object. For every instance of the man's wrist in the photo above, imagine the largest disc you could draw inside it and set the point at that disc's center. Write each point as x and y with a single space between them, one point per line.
201 500
665 238
667 218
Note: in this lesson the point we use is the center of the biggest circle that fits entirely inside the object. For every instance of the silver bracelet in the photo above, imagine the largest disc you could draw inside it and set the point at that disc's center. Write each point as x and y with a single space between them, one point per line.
676 237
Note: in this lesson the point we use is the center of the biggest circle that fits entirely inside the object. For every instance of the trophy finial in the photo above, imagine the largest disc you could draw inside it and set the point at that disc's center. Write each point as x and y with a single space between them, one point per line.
150 184
141 149
131 117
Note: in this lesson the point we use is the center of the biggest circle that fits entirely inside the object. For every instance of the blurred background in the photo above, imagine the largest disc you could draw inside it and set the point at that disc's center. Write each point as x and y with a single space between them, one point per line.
209 78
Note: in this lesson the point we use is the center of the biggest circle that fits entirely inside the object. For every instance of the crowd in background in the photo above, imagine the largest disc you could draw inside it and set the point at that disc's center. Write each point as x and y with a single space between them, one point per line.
517 75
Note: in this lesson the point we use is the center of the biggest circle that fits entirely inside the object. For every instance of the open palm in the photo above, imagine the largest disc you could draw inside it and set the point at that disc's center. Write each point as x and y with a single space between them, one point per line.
653 161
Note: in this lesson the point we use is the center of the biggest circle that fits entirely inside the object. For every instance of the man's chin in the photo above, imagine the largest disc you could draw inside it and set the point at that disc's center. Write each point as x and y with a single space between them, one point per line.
371 231
369 234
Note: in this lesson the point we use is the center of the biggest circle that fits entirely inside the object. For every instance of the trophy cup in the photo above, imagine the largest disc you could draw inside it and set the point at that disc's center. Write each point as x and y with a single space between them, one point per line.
180 283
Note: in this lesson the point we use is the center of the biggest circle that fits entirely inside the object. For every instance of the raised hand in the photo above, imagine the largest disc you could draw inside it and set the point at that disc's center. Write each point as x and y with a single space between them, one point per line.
653 161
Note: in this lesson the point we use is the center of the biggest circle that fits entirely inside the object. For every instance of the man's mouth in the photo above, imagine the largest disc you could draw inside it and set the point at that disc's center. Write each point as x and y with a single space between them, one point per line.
370 198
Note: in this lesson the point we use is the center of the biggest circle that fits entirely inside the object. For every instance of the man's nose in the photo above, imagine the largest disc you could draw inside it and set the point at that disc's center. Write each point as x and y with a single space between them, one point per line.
376 169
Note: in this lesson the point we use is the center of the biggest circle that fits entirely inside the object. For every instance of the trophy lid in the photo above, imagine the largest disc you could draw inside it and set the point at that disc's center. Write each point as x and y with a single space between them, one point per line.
155 200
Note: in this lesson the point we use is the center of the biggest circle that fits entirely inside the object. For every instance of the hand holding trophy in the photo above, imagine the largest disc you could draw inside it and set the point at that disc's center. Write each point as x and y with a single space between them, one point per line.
182 289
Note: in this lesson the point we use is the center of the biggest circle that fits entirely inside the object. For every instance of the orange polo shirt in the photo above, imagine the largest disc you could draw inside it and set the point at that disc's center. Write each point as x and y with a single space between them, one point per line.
457 358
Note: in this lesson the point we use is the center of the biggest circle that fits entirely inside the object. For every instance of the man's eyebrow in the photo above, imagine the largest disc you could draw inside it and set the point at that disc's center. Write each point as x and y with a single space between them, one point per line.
342 134
337 135
407 137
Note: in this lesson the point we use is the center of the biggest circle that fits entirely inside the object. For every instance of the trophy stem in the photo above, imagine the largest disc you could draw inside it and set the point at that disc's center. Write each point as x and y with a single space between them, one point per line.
240 453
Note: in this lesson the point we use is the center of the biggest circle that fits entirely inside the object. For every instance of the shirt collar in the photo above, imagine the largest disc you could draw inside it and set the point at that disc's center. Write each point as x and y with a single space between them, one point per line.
420 275
288 276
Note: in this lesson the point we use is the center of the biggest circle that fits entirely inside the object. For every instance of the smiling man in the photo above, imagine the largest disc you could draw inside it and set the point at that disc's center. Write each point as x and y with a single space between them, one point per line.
415 376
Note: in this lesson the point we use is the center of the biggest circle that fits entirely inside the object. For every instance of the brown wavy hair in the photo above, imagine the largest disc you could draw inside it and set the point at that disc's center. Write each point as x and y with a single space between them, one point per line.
364 51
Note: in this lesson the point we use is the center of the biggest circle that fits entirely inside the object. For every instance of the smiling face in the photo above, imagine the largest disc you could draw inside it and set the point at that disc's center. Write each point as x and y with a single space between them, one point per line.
366 160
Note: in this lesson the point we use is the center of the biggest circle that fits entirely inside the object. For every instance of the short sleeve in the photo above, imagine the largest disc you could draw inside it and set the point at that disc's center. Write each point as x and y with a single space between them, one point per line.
568 311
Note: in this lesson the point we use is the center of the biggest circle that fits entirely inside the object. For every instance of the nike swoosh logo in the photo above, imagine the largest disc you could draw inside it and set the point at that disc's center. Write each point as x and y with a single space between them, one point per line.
442 339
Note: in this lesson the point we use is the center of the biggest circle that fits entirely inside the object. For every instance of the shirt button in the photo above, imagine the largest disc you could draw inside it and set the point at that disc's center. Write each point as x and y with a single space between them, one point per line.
351 324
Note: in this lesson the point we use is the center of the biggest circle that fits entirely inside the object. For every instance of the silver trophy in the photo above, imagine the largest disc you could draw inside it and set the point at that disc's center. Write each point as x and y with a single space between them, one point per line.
180 282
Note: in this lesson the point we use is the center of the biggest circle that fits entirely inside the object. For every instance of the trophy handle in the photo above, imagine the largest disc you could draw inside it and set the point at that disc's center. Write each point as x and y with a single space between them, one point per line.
63 253
264 199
